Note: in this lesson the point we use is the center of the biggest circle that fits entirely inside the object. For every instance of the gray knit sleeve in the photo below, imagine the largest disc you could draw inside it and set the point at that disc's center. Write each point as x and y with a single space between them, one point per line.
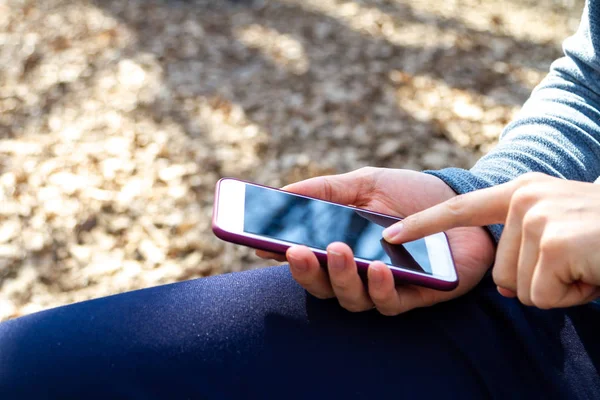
557 132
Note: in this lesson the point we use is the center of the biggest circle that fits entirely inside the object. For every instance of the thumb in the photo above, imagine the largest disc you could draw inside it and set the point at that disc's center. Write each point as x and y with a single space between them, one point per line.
347 188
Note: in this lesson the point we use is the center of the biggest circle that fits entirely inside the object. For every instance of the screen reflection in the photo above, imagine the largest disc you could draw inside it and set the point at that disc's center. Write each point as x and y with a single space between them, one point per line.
317 224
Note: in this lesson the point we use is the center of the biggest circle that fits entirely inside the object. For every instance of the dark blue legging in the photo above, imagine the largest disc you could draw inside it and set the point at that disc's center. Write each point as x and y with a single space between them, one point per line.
257 334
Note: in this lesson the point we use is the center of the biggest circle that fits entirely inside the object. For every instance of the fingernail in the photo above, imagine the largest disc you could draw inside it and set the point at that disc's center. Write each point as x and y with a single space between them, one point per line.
377 275
391 232
297 263
335 260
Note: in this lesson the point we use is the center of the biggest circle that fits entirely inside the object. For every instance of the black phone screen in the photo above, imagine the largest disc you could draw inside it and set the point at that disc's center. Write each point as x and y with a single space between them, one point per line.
316 224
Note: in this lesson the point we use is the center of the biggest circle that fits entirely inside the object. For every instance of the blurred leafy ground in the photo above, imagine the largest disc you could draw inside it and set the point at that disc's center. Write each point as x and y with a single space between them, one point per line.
118 117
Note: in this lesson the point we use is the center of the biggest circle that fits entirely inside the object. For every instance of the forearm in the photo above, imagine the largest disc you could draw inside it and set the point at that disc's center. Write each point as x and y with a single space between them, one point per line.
557 132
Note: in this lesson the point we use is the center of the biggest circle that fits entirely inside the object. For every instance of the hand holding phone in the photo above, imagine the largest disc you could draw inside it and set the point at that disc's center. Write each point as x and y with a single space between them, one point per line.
386 191
272 219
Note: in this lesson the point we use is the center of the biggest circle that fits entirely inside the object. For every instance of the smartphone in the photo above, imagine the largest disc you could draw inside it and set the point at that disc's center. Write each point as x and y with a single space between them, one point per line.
273 220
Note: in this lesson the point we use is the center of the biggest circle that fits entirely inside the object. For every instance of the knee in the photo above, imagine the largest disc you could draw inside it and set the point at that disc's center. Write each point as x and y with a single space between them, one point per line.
24 366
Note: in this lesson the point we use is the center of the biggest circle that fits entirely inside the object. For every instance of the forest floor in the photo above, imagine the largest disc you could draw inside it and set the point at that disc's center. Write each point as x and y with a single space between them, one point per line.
118 117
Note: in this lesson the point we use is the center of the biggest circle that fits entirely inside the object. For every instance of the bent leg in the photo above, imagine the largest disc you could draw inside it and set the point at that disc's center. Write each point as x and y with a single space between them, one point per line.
257 334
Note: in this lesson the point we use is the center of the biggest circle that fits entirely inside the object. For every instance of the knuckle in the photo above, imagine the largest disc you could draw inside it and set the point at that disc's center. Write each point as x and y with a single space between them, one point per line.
411 224
526 301
366 171
543 306
379 297
388 311
531 177
366 181
307 284
541 300
353 306
456 205
320 295
523 198
318 287
305 281
328 189
551 244
534 221
341 284
501 277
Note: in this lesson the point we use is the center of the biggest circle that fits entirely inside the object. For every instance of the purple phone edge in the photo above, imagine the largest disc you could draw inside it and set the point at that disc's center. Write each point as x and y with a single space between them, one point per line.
400 277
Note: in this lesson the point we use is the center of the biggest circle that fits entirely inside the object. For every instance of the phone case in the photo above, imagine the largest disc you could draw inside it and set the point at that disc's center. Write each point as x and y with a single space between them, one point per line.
400 276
